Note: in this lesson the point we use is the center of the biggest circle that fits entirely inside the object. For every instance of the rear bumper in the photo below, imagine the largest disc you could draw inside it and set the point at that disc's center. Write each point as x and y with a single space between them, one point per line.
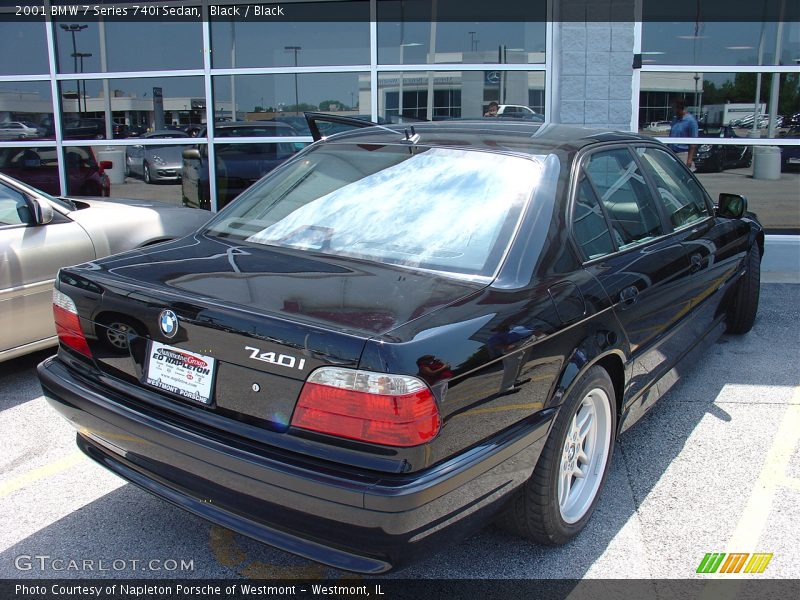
365 522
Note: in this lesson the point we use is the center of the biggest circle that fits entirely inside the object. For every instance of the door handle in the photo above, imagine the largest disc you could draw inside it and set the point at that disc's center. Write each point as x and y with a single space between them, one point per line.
697 262
629 295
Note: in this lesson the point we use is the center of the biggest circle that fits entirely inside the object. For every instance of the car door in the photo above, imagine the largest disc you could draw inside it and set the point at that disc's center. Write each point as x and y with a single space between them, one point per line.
30 256
135 158
194 175
715 246
644 270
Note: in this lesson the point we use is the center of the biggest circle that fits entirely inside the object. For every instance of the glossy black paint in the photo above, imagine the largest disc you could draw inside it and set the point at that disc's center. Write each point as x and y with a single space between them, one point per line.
498 355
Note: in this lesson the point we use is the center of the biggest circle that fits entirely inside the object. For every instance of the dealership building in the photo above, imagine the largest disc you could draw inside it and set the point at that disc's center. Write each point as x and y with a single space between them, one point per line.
101 82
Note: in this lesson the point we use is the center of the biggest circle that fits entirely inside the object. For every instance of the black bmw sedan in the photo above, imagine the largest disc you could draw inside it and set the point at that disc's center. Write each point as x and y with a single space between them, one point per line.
403 333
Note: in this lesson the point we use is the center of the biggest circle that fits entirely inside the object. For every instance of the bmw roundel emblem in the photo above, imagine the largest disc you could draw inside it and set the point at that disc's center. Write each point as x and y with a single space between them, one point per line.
168 322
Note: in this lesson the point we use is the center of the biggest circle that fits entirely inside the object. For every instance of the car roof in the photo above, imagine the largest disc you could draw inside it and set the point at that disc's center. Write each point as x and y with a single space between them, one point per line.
490 134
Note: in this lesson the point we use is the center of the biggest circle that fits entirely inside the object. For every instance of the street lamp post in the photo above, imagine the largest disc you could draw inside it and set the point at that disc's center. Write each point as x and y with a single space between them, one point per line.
295 49
473 43
73 28
76 56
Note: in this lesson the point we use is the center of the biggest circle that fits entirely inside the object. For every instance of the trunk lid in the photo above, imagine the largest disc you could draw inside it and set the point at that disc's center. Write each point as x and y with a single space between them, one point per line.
266 316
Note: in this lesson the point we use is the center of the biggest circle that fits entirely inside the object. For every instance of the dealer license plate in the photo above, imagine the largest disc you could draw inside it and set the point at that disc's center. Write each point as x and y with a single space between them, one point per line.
180 372
794 161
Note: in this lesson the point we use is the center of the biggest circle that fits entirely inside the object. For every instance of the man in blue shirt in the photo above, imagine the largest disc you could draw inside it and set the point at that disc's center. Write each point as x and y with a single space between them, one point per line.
683 125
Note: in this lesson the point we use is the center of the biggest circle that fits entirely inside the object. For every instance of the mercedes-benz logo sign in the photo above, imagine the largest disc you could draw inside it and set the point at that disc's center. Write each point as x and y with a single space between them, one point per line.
168 323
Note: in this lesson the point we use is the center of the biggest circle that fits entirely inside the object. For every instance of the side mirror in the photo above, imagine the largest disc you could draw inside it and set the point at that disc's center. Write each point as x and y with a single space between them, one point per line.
42 211
191 154
106 164
733 206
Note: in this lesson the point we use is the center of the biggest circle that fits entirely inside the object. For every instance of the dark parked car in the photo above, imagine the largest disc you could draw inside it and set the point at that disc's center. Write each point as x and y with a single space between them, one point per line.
790 155
401 334
238 165
38 167
717 157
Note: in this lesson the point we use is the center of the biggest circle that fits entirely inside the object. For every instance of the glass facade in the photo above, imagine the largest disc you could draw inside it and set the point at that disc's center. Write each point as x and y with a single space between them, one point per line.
740 80
98 103
92 101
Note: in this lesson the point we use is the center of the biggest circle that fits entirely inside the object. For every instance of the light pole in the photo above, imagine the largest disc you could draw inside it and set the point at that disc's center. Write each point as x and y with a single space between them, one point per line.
473 43
295 49
73 28
76 56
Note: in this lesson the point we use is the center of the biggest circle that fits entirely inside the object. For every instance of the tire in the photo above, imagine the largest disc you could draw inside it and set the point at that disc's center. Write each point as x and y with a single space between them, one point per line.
742 314
146 173
538 511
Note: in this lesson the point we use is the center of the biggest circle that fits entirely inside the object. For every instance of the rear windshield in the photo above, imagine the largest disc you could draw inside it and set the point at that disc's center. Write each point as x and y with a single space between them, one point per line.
433 208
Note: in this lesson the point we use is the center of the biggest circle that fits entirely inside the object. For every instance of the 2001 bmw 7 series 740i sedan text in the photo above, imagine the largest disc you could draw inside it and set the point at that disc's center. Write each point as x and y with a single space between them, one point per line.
402 333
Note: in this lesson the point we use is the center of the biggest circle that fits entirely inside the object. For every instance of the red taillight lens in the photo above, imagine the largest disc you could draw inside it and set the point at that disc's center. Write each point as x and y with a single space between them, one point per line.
68 325
392 410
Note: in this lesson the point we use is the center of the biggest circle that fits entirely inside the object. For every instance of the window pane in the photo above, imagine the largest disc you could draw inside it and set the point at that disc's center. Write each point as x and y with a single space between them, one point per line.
326 203
625 196
589 224
334 41
284 98
776 201
129 46
717 43
85 176
718 99
407 35
461 94
38 167
136 105
681 197
26 110
23 48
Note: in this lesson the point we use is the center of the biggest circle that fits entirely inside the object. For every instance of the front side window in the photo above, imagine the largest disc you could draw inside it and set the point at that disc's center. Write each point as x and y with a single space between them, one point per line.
626 198
14 209
678 192
433 208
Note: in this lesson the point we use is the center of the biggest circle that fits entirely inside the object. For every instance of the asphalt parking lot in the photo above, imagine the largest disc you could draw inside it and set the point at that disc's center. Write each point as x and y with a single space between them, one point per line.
715 467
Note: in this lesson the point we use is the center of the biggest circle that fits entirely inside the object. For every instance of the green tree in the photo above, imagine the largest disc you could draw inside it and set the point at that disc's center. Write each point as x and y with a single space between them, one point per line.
325 105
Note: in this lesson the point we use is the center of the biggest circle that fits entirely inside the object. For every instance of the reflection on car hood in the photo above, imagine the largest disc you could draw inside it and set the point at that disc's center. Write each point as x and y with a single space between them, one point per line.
114 203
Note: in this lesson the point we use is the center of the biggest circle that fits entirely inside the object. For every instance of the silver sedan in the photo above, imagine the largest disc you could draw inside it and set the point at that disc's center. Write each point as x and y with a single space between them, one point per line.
40 234
156 164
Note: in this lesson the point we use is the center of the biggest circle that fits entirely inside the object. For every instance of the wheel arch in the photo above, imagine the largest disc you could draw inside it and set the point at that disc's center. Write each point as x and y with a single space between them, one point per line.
612 360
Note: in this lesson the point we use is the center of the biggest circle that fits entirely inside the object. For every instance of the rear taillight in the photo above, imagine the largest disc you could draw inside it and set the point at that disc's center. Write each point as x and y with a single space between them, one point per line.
68 325
393 410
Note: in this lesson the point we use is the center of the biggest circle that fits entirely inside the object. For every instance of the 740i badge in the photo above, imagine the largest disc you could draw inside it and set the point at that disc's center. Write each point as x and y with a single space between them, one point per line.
281 360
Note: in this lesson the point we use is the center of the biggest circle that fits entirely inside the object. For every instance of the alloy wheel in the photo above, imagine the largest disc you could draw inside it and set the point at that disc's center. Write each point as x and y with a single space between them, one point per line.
584 456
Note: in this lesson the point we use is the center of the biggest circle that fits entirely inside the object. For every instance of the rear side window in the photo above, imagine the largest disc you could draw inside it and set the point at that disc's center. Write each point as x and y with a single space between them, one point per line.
625 196
683 200
588 223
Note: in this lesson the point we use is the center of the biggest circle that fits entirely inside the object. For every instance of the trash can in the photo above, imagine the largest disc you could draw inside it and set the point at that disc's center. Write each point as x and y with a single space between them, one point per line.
116 174
766 162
